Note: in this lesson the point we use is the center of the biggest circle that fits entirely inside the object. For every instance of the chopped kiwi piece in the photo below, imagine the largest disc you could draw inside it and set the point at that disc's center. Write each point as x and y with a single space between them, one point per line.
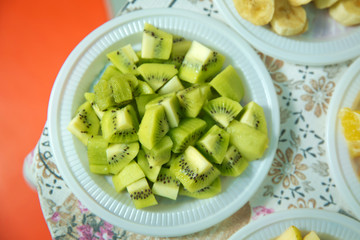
250 142
141 102
223 110
109 72
228 83
191 101
120 154
187 133
151 172
193 170
96 152
142 88
253 115
157 74
153 126
121 90
233 164
214 144
200 63
160 153
118 125
124 59
207 192
85 123
90 97
104 95
173 85
179 49
166 184
156 43
129 174
141 194
171 105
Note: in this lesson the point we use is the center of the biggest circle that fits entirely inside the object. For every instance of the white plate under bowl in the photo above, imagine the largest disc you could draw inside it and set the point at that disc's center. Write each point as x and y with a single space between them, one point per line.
168 218
325 42
341 167
328 225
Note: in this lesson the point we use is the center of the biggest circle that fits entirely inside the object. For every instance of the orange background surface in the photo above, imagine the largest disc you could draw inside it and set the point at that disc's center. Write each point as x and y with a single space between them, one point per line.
35 38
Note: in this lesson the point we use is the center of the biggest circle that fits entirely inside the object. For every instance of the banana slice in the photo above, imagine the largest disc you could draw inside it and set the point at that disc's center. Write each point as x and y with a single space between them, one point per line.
321 4
299 2
346 12
288 20
258 12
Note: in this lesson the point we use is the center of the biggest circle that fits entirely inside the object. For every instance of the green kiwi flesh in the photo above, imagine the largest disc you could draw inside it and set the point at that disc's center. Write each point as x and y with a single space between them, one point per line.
85 123
104 95
142 100
118 125
179 49
160 153
141 194
207 192
187 133
142 88
214 144
120 154
90 97
124 59
151 172
193 170
171 106
234 164
250 142
166 184
191 101
200 63
173 85
229 84
121 90
156 43
157 74
96 152
223 110
129 174
253 115
153 126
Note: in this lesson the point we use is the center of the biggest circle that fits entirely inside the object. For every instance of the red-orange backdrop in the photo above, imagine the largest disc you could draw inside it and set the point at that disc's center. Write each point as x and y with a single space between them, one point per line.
35 38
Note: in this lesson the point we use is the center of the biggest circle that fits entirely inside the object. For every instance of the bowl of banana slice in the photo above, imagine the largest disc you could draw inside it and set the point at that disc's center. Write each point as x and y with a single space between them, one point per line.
308 32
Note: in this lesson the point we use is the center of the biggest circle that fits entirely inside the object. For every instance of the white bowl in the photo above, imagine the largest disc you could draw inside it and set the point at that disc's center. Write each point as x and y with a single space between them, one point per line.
168 218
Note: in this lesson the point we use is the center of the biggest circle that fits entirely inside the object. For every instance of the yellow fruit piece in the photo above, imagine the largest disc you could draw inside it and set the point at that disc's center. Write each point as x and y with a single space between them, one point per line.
311 236
258 12
299 2
350 122
292 233
346 12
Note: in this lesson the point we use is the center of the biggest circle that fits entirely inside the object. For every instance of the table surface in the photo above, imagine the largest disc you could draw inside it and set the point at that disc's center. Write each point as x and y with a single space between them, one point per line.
298 178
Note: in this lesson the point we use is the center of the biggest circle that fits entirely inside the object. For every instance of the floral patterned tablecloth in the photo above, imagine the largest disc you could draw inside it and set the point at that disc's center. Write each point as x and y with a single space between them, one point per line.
298 178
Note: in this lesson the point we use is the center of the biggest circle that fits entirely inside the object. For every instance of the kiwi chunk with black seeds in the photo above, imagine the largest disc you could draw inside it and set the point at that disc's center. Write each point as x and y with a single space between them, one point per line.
141 194
214 144
153 126
96 152
253 115
193 170
207 192
120 154
191 101
151 172
104 95
90 97
142 88
233 164
171 106
223 110
121 90
124 59
118 125
129 174
187 133
173 85
160 153
200 63
157 74
166 185
85 123
156 43
141 102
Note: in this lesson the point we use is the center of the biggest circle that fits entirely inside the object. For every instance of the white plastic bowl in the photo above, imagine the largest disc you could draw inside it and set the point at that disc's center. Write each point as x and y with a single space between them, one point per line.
168 218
